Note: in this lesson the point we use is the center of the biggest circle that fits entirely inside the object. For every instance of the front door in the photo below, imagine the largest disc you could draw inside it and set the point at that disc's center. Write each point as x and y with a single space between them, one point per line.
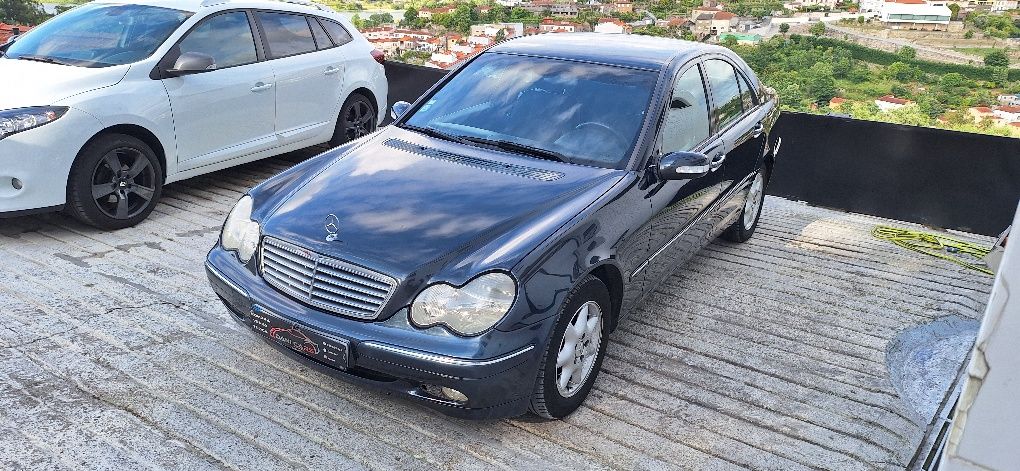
229 111
686 126
309 74
740 119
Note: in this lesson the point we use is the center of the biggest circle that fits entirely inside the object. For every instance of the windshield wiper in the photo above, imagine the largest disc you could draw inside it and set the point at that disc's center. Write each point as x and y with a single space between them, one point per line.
435 133
519 148
46 59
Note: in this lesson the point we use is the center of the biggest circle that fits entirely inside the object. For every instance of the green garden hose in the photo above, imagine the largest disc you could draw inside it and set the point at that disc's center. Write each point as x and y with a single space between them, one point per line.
965 254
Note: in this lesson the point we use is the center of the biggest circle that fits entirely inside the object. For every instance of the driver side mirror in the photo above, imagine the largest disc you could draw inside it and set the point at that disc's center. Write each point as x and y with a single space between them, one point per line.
399 108
683 165
192 63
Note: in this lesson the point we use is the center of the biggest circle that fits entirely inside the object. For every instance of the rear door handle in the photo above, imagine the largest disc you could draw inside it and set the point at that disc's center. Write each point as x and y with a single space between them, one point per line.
758 130
331 70
261 87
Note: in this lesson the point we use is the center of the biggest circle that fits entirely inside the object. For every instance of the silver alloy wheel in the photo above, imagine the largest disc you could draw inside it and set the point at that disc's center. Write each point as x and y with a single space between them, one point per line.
755 197
579 349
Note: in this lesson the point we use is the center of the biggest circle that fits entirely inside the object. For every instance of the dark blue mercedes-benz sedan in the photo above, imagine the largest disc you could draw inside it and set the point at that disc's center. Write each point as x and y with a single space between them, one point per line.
477 254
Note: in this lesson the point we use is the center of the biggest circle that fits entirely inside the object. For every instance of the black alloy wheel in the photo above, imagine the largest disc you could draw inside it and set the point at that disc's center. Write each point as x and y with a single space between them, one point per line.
357 119
115 182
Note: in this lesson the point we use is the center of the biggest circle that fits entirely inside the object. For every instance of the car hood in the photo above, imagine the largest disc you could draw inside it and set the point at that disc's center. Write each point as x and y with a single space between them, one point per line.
31 83
416 208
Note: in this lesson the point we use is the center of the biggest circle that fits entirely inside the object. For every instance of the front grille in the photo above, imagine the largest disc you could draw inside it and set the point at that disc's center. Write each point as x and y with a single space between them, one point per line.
324 282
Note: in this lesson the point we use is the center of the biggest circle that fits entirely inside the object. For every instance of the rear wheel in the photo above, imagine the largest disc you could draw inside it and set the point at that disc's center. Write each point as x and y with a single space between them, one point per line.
743 228
115 182
357 118
573 356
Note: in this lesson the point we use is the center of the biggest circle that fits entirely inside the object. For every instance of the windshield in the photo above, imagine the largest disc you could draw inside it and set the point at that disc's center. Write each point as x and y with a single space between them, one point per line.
577 112
99 35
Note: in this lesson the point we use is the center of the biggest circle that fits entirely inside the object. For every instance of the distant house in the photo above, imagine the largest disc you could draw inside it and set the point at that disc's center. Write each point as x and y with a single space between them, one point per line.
1009 100
427 13
567 9
889 103
915 15
1008 114
709 21
980 113
510 30
612 25
1004 5
837 102
6 31
550 25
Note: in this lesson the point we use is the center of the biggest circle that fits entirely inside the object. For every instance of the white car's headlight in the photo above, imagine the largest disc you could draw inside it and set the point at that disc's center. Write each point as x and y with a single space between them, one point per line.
23 119
240 233
468 310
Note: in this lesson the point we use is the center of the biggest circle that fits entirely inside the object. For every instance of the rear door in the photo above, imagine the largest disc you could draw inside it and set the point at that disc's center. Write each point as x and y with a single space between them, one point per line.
309 74
738 119
239 90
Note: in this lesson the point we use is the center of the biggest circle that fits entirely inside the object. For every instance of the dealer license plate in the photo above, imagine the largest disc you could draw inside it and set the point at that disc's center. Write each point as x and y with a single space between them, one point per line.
300 338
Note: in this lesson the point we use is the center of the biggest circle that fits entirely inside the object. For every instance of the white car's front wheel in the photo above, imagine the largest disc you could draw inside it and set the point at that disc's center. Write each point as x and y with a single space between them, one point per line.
357 119
115 182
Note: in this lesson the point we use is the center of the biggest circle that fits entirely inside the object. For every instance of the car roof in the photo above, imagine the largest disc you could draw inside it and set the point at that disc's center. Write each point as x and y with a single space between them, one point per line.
625 50
195 5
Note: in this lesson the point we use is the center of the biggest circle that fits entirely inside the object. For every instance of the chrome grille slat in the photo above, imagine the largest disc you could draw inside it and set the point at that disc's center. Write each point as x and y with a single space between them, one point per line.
323 282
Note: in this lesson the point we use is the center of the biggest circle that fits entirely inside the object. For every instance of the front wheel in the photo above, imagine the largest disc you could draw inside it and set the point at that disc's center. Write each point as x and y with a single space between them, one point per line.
115 182
743 228
573 357
357 119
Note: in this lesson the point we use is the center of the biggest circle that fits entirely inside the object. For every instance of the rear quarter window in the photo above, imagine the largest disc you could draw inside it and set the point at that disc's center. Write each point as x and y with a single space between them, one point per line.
336 31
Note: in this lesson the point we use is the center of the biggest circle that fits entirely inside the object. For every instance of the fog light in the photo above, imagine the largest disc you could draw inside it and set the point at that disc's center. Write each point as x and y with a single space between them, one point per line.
443 392
17 184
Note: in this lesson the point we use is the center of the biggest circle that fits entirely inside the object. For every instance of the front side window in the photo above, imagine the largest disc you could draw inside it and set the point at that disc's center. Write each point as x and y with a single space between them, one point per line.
725 91
584 113
226 37
286 34
687 121
99 35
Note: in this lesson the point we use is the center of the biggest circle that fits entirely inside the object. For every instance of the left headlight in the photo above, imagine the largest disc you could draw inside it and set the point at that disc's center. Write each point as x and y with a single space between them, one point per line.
23 119
468 310
240 233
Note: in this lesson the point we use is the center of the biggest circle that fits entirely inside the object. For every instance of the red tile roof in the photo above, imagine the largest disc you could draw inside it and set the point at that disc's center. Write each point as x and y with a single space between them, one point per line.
1009 109
982 109
724 15
892 99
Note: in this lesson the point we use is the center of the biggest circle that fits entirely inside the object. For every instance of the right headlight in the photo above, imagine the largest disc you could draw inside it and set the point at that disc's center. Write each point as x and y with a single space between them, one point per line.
468 310
240 233
23 119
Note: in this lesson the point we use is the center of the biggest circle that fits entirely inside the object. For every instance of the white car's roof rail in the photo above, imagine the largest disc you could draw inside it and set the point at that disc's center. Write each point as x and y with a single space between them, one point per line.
319 6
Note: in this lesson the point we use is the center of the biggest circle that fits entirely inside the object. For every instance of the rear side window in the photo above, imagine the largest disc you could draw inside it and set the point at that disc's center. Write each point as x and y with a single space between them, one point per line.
321 38
336 31
226 37
725 91
286 34
686 122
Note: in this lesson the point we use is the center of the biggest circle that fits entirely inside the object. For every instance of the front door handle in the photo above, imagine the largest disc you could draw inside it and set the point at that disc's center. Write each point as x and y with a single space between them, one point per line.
261 87
758 130
717 161
331 70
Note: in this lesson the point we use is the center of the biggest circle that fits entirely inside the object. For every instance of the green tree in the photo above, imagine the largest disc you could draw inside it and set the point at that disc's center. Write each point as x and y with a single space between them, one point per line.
22 12
902 71
899 90
907 53
1000 75
955 8
500 35
730 41
784 28
997 58
817 29
411 17
952 80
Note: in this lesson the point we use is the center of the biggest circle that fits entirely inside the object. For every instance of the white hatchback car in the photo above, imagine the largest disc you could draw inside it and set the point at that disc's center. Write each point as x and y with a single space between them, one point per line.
104 104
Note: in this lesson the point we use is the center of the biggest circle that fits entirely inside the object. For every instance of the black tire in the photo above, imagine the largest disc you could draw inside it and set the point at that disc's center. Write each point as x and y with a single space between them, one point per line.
743 228
357 118
547 400
134 186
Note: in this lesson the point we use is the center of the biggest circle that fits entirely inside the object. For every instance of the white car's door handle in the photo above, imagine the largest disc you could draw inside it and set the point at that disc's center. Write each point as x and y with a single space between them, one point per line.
261 87
331 70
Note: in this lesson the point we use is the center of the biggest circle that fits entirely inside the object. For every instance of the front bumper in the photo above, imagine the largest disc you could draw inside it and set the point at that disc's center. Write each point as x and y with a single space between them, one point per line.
40 160
496 371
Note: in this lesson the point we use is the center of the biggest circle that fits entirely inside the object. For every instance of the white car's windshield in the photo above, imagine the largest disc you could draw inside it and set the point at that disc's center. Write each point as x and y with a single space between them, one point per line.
577 112
99 35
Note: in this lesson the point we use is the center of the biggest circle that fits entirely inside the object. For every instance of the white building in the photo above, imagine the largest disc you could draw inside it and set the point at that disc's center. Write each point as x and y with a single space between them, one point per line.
510 30
889 103
1004 5
1008 114
612 25
916 15
1009 100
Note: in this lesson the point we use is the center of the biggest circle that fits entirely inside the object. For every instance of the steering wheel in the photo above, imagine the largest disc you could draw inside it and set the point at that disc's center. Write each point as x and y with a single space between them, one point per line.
620 143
